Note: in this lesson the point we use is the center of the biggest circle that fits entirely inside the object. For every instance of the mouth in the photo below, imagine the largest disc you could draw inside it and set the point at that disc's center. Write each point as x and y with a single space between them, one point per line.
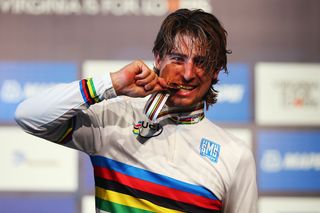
175 86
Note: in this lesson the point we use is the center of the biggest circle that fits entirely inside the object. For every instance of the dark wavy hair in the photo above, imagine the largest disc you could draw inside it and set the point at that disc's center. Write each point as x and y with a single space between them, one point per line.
208 35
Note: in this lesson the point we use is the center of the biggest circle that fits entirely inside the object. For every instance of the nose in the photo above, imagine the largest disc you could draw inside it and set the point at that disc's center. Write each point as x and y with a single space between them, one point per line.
189 71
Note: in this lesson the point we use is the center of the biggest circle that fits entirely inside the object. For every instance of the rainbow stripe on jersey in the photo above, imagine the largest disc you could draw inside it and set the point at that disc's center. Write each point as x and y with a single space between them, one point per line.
124 188
88 91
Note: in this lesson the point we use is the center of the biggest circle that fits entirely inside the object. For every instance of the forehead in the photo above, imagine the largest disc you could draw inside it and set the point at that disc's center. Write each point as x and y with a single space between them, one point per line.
188 45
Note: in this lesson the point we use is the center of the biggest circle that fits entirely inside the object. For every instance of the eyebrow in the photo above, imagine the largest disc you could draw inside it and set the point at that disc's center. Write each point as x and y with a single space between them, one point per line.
197 57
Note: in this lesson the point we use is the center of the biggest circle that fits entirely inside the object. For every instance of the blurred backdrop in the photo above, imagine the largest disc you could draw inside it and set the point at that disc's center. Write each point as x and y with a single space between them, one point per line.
270 98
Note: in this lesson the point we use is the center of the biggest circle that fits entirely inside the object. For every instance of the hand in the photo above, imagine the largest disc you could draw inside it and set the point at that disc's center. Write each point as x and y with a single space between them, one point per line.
137 80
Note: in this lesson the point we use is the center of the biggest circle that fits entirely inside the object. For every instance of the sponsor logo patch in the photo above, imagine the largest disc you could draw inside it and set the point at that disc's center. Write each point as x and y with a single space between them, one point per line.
210 150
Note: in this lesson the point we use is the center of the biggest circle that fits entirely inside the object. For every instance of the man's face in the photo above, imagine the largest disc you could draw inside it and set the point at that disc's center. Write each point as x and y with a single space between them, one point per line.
183 67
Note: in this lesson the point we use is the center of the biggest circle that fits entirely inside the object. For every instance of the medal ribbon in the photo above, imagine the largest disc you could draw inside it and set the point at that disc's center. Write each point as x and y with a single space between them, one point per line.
156 110
155 104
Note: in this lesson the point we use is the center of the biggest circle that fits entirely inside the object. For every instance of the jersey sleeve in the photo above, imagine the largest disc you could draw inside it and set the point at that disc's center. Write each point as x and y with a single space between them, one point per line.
242 195
63 111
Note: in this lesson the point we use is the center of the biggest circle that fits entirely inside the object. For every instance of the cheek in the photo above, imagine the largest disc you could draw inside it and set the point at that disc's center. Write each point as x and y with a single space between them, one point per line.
169 71
205 78
205 84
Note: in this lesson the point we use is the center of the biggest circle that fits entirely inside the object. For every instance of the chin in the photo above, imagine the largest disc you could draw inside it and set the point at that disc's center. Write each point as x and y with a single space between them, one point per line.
182 102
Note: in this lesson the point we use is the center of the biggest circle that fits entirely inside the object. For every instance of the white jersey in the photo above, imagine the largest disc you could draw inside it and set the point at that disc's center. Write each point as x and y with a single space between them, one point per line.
183 164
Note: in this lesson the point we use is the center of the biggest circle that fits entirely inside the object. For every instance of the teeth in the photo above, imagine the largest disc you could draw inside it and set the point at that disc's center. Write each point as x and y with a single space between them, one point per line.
185 87
174 86
177 86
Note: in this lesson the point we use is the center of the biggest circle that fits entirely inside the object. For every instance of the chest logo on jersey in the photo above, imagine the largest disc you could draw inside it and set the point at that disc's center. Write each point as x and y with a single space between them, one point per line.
210 150
137 128
147 130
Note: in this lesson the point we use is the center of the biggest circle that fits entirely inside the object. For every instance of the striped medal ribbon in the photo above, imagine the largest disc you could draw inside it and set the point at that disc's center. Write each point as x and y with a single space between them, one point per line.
155 104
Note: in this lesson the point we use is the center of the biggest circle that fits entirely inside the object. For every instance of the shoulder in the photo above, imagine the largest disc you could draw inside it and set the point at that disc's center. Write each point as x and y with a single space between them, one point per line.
224 136
234 151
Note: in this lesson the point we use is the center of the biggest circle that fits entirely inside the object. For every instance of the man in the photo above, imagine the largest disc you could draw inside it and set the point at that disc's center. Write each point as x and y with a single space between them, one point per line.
163 155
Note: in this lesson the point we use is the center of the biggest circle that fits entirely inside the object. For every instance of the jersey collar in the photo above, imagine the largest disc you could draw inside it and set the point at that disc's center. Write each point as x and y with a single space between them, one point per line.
184 115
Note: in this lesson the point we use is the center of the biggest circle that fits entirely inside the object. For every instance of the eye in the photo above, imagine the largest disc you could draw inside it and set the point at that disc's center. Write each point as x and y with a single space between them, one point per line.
177 58
199 61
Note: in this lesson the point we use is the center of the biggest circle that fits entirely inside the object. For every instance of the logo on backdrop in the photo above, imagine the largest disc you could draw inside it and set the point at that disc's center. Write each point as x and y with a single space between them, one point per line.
299 94
272 161
21 80
13 91
99 7
288 161
21 158
210 150
234 97
230 93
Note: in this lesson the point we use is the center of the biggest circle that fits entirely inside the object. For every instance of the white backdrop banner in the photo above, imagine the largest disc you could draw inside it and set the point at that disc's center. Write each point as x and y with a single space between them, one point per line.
29 163
98 68
287 94
289 205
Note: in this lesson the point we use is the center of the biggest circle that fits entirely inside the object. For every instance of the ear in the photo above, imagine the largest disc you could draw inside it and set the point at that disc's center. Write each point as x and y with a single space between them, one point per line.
157 62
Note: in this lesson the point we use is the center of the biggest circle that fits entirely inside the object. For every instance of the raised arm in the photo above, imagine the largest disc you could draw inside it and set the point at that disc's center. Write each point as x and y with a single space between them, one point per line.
55 113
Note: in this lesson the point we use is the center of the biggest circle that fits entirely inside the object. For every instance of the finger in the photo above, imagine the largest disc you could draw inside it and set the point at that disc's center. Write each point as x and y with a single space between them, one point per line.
145 71
156 88
158 83
151 84
148 79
